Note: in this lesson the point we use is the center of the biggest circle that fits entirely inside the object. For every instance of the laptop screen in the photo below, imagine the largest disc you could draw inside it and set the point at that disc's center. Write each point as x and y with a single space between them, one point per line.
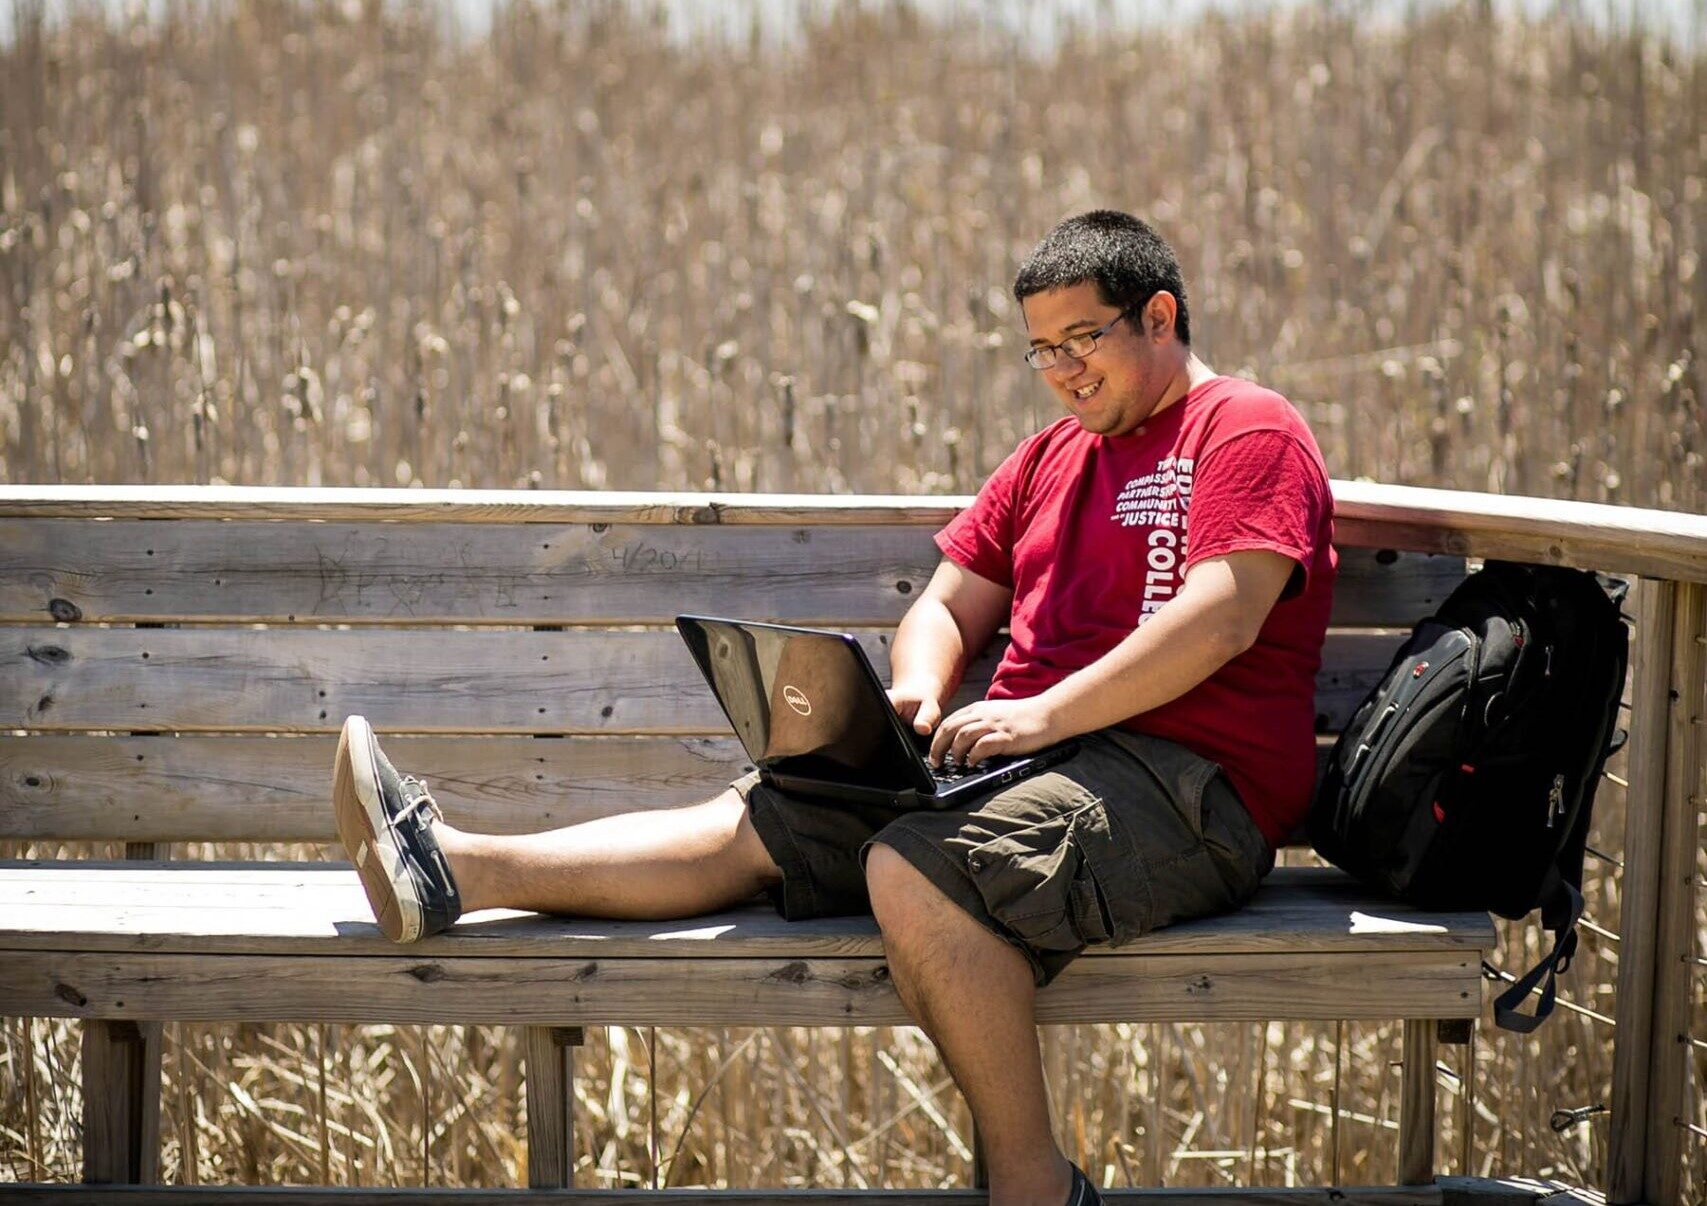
803 703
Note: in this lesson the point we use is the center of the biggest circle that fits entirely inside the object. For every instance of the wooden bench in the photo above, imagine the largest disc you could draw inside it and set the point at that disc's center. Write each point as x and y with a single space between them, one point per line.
176 662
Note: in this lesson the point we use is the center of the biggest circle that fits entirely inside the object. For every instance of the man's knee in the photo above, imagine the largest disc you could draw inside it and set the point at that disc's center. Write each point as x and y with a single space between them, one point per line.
902 899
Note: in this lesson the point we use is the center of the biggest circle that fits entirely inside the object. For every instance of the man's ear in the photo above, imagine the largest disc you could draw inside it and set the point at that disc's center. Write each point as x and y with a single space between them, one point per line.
1160 313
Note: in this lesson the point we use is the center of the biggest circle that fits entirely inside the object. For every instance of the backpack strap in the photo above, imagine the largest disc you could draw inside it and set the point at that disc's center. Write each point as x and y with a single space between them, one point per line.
1506 1014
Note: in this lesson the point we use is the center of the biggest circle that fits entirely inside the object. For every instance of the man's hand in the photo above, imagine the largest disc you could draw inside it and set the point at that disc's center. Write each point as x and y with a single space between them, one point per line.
994 726
917 705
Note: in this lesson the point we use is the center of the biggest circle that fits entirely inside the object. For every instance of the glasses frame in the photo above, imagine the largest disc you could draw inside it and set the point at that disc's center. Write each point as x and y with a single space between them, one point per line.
1052 352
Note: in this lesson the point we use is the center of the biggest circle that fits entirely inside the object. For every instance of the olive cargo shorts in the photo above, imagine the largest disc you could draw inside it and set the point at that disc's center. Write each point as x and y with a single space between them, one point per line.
1128 834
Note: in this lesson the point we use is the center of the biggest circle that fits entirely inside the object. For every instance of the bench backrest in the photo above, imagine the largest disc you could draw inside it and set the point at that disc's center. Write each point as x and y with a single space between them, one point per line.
179 679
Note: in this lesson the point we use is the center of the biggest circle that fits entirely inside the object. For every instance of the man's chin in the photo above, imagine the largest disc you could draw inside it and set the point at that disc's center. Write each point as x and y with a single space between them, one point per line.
1095 424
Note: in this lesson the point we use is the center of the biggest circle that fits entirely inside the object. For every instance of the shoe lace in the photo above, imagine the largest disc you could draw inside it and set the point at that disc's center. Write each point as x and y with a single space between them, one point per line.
417 798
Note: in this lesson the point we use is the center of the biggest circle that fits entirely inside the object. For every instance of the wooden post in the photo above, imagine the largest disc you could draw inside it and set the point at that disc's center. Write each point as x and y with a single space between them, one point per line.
549 1052
121 1102
1626 1156
1686 750
1416 1104
121 1090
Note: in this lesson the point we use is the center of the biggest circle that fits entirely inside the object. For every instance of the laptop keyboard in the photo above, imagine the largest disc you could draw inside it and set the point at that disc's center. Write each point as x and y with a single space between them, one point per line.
952 772
948 772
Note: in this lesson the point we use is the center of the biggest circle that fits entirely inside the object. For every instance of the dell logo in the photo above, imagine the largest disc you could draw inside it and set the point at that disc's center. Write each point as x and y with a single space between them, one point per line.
797 699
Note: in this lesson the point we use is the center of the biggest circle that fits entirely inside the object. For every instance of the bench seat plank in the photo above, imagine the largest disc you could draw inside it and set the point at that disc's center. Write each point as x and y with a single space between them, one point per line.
96 571
318 909
716 992
434 680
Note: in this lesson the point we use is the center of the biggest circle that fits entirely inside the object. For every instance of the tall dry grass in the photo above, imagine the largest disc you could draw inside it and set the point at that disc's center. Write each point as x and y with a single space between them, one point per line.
330 244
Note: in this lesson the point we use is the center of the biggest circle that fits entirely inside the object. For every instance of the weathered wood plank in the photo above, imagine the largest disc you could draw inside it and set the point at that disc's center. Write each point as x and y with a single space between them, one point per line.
121 1101
308 680
319 908
576 681
1416 1105
1513 1190
97 571
332 503
59 1195
276 789
1639 890
1660 544
1680 840
223 788
520 574
1616 540
720 992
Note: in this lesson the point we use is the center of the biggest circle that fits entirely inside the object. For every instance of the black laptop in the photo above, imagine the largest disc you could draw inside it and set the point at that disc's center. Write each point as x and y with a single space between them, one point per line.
808 707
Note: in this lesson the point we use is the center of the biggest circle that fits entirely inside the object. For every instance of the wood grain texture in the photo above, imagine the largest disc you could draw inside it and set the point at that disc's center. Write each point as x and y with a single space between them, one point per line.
1661 544
1618 540
277 789
1639 890
1416 1105
63 1195
1675 982
332 503
718 992
97 571
318 908
305 681
237 679
167 788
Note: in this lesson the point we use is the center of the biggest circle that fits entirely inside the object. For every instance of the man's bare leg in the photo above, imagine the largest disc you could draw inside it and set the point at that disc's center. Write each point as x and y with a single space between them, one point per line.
972 993
670 863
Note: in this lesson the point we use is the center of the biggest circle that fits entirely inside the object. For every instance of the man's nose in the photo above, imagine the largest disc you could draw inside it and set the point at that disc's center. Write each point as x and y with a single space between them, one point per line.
1065 368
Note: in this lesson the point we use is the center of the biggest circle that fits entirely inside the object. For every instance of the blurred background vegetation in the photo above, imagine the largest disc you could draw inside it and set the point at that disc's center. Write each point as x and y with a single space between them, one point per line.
610 245
589 247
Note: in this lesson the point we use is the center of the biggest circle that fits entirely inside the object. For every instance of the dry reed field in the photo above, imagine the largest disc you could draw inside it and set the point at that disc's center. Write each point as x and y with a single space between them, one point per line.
335 244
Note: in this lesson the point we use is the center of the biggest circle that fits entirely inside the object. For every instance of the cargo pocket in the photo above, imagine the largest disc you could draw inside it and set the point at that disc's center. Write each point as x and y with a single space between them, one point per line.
1186 859
1043 881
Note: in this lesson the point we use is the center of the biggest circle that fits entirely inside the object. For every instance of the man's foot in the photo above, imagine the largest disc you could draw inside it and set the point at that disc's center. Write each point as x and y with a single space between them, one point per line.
386 822
1083 1193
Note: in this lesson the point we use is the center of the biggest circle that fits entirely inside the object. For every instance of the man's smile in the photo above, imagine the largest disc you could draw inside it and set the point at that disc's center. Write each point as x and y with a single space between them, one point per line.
1084 392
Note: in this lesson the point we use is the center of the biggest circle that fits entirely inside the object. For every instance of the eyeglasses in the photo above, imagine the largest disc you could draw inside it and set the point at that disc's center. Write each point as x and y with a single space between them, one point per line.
1077 346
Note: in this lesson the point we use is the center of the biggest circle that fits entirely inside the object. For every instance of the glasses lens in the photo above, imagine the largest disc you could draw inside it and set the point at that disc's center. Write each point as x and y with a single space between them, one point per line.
1079 346
1040 358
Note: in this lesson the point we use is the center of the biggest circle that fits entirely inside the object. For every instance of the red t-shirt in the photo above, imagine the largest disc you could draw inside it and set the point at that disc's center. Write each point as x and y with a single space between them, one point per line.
1093 534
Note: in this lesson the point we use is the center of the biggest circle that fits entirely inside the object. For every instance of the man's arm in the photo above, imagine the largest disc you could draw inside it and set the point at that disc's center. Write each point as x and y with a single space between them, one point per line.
1216 616
953 620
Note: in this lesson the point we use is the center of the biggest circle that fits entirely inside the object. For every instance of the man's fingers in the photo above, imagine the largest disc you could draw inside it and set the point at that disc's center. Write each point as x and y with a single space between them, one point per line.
926 717
969 736
945 735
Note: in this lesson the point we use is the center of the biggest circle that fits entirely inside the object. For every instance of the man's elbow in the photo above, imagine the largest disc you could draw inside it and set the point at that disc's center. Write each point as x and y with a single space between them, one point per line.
1237 633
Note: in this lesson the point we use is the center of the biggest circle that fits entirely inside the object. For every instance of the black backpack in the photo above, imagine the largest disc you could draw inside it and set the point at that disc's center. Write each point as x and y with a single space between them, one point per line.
1466 779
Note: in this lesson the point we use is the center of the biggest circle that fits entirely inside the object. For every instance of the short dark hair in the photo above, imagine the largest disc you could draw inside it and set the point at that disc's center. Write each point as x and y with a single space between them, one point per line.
1127 259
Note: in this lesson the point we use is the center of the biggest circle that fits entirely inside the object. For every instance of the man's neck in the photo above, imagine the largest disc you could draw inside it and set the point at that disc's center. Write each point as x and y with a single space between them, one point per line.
1192 373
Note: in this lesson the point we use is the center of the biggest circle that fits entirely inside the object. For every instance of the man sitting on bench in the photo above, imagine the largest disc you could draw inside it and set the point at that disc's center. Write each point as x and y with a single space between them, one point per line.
1163 558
